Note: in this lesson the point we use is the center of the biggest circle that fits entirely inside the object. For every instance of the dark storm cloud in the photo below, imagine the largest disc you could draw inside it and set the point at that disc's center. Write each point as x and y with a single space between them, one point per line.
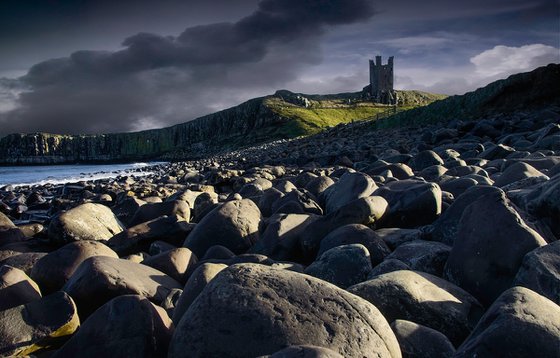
158 80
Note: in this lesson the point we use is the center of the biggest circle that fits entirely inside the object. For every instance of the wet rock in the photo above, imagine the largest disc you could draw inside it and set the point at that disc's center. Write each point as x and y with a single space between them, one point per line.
491 241
349 187
520 323
99 279
417 341
342 266
422 298
252 310
152 211
52 271
126 326
233 225
37 325
16 288
85 222
177 263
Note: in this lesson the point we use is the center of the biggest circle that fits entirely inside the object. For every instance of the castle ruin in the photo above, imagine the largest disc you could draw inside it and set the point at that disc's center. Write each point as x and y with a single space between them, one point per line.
381 81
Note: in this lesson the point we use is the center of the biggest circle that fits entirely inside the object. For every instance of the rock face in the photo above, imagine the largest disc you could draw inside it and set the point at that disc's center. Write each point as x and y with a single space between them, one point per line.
490 244
252 310
422 298
520 323
36 325
127 326
85 222
234 225
99 279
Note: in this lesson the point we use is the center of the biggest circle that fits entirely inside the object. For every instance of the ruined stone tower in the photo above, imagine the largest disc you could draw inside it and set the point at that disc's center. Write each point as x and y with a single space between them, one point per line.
381 81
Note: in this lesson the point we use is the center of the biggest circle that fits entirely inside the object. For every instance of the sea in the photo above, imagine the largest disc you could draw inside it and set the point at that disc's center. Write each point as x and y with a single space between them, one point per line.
60 174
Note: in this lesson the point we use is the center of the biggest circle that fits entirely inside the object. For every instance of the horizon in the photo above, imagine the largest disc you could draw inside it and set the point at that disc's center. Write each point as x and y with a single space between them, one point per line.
193 58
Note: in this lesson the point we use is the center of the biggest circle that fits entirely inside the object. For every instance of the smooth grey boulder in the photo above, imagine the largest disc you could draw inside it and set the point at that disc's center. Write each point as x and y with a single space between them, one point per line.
16 288
139 238
540 271
365 211
251 310
445 227
349 187
433 173
234 225
544 203
457 186
52 271
9 233
297 201
411 203
305 351
318 185
520 323
126 326
151 211
491 241
417 341
100 279
388 265
37 325
24 261
424 159
176 263
421 255
422 298
85 222
356 234
194 286
516 172
126 207
342 266
394 237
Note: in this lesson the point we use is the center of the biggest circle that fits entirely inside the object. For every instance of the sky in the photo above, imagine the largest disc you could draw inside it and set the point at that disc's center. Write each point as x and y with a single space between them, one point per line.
103 66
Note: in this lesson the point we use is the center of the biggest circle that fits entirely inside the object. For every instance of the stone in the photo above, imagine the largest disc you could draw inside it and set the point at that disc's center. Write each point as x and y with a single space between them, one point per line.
411 203
152 211
126 326
250 310
140 237
16 288
305 351
424 299
394 237
9 233
388 265
457 186
177 263
234 225
342 266
540 271
201 276
421 255
268 199
433 173
37 325
24 261
299 198
349 187
544 203
365 211
85 222
491 241
356 234
100 278
520 323
417 341
318 185
217 252
516 172
53 270
425 159
126 207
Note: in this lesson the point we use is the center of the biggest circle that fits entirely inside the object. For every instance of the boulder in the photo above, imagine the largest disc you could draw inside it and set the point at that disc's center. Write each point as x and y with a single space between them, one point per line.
421 255
388 265
126 208
126 326
152 211
417 341
196 283
37 325
540 271
425 159
394 237
356 234
342 266
176 263
85 222
250 310
304 351
100 279
422 298
518 171
318 185
9 233
234 225
140 237
16 288
491 241
349 187
52 271
411 203
520 323
23 261
297 201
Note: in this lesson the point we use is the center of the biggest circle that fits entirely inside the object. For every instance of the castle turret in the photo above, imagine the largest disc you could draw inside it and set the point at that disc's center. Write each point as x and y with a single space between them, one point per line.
381 81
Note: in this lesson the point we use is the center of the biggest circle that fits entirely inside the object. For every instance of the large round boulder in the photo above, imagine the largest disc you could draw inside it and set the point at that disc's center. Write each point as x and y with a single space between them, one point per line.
153 211
16 288
250 310
349 187
421 255
417 341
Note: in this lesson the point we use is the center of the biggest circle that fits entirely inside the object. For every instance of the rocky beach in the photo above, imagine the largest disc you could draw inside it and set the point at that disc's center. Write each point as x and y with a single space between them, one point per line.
371 239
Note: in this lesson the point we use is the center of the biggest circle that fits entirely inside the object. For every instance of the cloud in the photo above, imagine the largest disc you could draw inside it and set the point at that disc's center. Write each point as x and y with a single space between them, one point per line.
159 80
504 60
